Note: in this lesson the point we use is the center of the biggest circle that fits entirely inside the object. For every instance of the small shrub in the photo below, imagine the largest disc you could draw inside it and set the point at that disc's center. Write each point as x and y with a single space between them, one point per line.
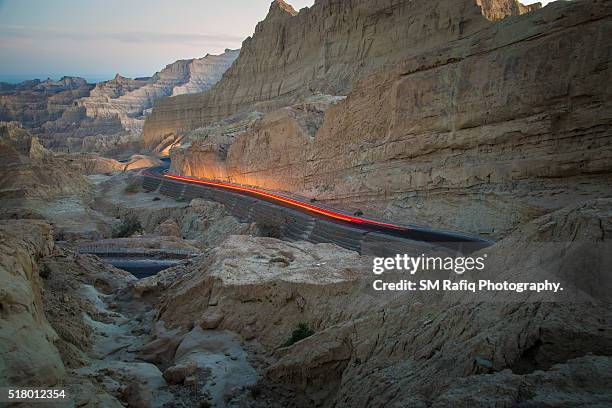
300 333
129 226
131 189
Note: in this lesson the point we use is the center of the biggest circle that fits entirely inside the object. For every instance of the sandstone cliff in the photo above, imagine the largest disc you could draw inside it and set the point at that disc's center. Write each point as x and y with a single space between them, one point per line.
321 50
408 349
500 9
27 353
130 99
291 55
29 170
478 133
71 115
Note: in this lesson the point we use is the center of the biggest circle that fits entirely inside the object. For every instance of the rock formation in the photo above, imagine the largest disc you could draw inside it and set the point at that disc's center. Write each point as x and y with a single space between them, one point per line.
500 9
130 99
33 103
414 349
424 111
322 49
480 127
74 116
205 72
30 170
28 354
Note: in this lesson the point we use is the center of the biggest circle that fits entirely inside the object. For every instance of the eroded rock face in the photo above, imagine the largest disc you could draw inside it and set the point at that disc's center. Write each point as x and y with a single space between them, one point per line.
477 134
50 110
322 49
33 171
130 99
71 115
304 283
581 379
391 350
28 355
274 140
500 9
33 103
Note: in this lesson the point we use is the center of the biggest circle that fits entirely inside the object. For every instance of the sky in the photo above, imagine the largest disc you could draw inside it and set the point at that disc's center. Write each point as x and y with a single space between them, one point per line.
97 38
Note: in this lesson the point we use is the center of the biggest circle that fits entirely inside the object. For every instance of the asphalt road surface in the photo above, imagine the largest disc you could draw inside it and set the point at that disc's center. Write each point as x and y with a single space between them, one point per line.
295 218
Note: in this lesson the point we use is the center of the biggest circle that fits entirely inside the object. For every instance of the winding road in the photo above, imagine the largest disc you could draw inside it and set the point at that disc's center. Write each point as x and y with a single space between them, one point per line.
297 219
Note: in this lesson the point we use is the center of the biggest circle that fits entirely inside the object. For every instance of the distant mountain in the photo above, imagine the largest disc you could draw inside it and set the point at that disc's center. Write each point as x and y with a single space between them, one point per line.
130 99
72 115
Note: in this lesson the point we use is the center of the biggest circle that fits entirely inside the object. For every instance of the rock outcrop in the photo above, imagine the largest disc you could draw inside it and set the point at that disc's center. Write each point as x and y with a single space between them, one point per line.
130 100
243 271
27 352
322 49
237 148
30 170
71 115
404 349
500 9
475 131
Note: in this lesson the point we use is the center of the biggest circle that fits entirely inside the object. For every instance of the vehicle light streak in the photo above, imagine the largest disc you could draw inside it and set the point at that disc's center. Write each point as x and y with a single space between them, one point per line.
286 200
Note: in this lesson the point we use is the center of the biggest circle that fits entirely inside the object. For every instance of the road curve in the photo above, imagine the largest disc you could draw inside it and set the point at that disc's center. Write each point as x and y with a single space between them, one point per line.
352 230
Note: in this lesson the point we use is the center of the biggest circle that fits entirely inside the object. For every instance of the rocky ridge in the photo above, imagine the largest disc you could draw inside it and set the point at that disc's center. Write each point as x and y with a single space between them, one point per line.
34 103
415 349
533 126
130 99
322 49
71 115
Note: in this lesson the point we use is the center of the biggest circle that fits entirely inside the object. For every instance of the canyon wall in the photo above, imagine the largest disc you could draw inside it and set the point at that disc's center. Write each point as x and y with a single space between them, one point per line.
479 133
71 115
321 49
27 351
130 99
33 103
500 9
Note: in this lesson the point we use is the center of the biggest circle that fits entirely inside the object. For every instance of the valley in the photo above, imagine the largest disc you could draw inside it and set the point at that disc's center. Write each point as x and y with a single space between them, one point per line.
256 228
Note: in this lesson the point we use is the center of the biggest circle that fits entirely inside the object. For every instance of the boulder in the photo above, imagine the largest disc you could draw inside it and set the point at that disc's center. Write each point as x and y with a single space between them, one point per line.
211 319
179 373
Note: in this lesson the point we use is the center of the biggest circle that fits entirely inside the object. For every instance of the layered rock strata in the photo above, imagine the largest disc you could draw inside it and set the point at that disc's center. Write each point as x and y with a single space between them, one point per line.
478 133
72 115
33 103
27 351
130 99
318 50
406 348
322 49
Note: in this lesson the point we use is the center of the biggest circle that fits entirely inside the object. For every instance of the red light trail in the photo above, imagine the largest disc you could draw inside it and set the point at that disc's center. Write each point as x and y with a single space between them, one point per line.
286 200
